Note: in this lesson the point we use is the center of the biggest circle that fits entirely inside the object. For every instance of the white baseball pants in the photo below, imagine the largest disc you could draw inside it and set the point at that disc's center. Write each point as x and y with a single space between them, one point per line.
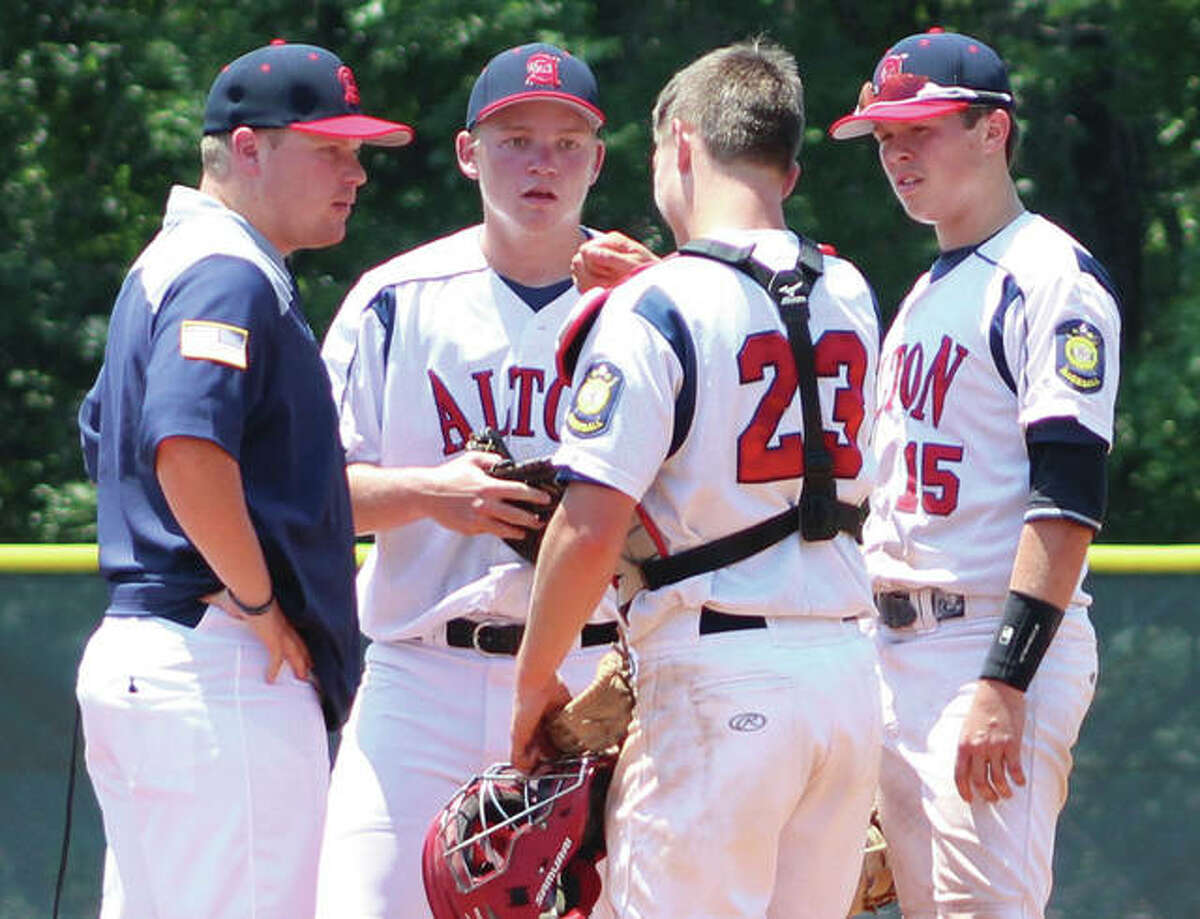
954 860
211 781
744 788
426 718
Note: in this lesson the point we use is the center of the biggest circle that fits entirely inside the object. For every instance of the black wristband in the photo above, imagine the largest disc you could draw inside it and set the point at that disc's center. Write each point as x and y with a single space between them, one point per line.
250 610
1021 641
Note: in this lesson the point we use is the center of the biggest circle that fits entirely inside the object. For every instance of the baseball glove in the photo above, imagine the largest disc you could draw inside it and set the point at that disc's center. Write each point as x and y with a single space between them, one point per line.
539 473
876 888
596 720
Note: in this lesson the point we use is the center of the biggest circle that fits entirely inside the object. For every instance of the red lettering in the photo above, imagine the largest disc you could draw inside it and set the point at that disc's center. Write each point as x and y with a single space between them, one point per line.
914 371
834 351
939 486
940 494
455 427
525 379
908 501
758 461
550 407
483 382
940 376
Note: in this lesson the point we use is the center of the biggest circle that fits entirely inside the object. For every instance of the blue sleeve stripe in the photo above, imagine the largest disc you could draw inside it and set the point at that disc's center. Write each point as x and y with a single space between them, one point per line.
383 304
1008 296
1089 265
657 309
566 475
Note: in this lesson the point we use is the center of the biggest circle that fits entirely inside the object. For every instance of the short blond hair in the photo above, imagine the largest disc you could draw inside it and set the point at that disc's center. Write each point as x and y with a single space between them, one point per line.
216 153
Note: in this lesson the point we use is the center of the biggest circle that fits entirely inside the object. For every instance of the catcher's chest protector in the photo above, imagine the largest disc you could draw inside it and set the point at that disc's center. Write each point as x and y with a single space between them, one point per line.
644 563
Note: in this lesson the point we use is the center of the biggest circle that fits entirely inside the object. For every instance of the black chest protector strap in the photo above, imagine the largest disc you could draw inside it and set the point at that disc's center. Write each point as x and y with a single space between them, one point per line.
821 515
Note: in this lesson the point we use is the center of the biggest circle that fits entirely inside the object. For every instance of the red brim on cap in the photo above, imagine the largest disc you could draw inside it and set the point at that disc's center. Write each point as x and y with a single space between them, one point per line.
589 111
359 127
863 121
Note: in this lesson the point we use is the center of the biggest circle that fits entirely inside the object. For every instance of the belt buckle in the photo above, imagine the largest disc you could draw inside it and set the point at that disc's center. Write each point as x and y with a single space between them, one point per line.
947 605
917 611
897 609
476 641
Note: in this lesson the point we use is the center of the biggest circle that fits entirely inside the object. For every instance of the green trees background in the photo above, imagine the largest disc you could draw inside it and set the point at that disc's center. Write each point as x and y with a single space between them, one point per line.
100 104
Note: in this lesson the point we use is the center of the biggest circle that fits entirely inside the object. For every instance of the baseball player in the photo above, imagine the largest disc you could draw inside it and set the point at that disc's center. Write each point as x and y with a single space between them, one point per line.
995 414
452 337
745 783
224 518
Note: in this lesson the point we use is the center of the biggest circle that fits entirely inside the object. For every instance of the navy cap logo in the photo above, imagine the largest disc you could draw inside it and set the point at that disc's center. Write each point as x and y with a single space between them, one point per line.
349 86
303 87
928 76
891 67
534 71
542 70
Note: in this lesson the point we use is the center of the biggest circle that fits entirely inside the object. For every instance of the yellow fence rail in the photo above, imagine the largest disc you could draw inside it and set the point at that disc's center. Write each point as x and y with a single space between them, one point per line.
80 558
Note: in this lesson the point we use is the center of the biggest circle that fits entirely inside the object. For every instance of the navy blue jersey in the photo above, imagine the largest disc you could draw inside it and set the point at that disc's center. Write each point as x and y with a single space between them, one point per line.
207 340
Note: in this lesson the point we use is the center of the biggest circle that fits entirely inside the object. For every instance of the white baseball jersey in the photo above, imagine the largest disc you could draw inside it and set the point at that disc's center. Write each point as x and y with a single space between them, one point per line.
442 347
1018 330
685 399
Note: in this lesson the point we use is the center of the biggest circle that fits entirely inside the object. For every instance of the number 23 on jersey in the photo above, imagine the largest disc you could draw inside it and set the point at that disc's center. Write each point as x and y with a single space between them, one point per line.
765 454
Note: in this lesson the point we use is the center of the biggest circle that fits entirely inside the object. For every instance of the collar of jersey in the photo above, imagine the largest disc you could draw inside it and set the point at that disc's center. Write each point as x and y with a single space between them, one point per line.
186 204
949 260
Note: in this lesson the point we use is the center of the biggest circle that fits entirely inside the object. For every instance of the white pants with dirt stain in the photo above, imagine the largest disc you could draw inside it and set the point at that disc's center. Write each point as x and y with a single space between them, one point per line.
744 787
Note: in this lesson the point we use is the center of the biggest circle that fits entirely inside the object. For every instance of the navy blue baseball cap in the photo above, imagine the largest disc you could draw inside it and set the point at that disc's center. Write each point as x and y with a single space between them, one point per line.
535 71
927 75
301 87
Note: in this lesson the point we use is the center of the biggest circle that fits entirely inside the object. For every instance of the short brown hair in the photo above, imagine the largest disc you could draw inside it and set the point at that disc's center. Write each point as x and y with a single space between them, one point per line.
746 100
974 112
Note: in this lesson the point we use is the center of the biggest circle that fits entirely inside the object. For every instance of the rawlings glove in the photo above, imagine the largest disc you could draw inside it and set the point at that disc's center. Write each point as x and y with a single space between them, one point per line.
538 473
876 888
596 720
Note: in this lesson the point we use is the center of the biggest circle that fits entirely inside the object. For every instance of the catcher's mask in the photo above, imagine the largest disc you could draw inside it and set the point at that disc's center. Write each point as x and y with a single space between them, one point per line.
516 846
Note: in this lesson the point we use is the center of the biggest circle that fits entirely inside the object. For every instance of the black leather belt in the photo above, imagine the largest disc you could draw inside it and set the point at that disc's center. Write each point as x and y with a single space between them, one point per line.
713 620
491 638
897 609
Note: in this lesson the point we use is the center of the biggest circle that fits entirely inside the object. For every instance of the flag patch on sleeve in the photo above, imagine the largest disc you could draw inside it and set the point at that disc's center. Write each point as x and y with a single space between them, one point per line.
595 399
1079 350
203 340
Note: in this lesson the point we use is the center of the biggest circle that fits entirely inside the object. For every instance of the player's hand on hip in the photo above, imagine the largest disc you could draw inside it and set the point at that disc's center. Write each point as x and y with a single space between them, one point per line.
989 748
461 496
530 745
604 260
279 637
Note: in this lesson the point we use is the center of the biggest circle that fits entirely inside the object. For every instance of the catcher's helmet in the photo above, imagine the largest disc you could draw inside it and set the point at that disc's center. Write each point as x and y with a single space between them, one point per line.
516 846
